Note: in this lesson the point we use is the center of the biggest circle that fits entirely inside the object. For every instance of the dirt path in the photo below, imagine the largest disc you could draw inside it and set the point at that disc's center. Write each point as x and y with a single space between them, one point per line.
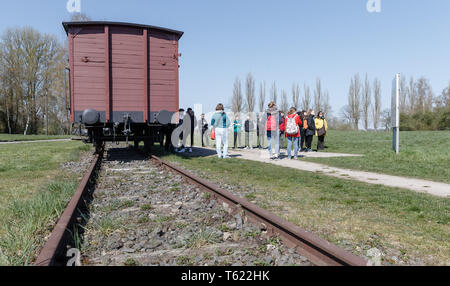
35 141
418 185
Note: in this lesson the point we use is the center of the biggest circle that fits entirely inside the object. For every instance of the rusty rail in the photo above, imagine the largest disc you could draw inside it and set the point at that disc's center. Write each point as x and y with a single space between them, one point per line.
319 251
55 248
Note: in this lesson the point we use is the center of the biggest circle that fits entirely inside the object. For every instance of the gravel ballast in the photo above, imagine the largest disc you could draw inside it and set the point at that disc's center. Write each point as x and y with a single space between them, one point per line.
144 215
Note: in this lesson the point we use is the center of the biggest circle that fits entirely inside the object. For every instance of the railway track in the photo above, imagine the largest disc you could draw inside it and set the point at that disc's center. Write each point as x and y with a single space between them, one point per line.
307 245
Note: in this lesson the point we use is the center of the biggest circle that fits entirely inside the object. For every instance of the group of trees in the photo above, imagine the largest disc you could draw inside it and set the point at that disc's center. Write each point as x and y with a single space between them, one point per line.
420 109
364 103
32 83
248 102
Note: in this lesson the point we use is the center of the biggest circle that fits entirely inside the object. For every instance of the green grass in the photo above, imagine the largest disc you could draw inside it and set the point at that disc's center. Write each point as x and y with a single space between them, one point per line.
341 210
423 154
18 137
30 202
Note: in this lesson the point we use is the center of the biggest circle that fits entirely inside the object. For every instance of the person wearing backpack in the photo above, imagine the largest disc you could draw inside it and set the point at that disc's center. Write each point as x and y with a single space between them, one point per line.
282 128
220 123
273 130
310 130
321 130
292 131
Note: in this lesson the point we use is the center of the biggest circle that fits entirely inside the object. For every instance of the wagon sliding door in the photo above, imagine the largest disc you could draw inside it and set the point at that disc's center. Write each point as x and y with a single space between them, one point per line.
128 73
164 91
88 70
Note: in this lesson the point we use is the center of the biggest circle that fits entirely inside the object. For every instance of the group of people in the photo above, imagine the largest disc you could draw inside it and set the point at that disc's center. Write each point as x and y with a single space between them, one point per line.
298 127
186 124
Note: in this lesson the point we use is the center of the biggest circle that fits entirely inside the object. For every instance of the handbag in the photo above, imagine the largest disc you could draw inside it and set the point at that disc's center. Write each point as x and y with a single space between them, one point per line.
321 131
213 134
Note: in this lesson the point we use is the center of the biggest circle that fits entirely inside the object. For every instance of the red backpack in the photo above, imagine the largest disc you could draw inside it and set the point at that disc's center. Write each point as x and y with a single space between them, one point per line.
271 124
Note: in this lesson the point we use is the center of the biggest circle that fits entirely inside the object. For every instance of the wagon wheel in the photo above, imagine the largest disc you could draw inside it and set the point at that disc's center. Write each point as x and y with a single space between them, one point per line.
148 146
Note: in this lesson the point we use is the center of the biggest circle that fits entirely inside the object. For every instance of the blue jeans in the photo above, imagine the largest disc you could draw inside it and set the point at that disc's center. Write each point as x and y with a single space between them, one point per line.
292 140
274 137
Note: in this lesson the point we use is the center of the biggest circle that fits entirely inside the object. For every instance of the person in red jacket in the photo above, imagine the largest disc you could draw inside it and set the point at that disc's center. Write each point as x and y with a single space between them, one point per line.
291 127
282 128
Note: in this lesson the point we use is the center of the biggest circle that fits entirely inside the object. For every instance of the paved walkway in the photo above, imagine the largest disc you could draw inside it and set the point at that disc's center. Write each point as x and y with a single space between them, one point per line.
35 141
418 185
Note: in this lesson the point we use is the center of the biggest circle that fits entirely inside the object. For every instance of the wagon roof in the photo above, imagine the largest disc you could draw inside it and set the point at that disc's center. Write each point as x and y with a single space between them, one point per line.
91 23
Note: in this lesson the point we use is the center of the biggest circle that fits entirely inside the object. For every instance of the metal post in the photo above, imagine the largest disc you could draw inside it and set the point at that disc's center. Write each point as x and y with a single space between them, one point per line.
395 113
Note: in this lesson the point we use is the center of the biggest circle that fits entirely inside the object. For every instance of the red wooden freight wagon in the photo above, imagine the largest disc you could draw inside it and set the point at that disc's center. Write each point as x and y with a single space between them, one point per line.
124 80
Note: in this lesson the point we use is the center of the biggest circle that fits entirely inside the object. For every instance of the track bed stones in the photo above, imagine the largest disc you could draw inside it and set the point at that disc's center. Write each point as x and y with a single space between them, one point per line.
144 215
78 167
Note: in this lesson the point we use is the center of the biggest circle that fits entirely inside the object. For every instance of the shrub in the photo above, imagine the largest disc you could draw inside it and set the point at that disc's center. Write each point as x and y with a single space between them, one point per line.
428 121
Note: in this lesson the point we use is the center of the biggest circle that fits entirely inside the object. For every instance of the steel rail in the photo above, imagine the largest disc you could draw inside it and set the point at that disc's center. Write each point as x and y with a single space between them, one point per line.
319 251
54 248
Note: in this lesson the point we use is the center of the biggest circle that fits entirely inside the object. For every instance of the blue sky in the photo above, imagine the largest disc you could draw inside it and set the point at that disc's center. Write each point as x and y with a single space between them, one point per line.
282 41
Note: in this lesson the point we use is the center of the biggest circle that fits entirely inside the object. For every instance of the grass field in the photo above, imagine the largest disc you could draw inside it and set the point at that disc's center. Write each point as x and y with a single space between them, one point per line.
405 225
423 154
30 200
16 137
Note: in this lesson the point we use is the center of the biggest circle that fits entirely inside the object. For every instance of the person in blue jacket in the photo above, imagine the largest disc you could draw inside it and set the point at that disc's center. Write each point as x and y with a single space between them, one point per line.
220 124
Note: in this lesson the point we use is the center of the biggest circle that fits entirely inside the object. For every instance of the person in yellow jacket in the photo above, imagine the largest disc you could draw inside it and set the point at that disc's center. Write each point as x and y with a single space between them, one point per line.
321 130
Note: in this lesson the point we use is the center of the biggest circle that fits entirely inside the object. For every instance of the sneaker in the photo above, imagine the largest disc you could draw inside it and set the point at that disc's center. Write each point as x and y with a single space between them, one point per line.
182 150
190 150
227 157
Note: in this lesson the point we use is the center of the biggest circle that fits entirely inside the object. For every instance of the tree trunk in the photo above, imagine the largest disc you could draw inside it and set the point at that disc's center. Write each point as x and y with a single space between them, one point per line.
27 125
8 119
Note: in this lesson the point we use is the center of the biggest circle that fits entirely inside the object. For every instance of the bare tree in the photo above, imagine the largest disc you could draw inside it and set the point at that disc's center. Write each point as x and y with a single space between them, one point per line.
274 93
347 115
386 119
306 100
238 100
296 95
80 17
424 95
318 96
404 90
354 98
250 93
326 104
284 102
366 102
412 95
444 99
376 109
262 97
